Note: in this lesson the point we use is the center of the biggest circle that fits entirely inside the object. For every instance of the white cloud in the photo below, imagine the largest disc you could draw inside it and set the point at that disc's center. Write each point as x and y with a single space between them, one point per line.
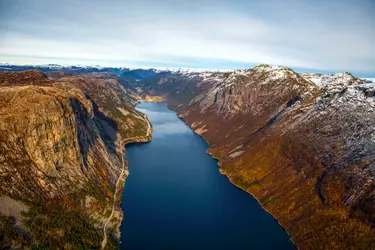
291 34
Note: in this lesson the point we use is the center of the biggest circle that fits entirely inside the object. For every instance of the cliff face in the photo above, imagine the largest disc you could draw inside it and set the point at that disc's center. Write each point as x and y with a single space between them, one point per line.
60 159
111 99
55 131
304 150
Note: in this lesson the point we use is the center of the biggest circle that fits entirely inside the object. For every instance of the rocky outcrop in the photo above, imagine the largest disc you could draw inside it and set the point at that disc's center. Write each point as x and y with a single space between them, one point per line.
260 90
60 155
303 148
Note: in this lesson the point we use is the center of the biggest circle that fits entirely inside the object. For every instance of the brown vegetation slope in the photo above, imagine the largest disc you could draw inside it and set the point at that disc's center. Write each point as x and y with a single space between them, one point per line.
59 157
306 152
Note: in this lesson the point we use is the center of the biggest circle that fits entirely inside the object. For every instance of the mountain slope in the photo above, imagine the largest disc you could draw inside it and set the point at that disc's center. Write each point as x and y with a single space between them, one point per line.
60 158
305 151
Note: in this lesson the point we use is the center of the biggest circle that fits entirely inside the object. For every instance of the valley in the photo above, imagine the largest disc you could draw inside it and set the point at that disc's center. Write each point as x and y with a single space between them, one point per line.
177 199
187 125
301 144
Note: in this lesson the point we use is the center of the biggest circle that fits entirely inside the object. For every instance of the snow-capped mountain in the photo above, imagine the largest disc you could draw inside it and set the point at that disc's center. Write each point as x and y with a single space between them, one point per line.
340 82
369 80
337 78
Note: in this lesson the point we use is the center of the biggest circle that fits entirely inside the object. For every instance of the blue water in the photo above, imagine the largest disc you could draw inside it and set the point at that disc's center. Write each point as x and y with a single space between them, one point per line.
175 198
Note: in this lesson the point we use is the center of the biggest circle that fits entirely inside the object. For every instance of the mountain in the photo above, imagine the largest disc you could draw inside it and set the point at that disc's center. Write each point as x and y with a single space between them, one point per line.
61 158
302 144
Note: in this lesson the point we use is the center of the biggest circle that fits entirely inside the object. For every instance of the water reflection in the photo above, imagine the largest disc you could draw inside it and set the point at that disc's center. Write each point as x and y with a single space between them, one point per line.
163 121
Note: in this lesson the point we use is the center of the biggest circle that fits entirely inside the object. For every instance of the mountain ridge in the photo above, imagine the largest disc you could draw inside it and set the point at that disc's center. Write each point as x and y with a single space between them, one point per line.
304 150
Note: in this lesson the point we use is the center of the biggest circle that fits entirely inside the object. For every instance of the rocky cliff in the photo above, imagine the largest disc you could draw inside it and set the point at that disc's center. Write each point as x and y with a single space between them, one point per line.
302 144
61 156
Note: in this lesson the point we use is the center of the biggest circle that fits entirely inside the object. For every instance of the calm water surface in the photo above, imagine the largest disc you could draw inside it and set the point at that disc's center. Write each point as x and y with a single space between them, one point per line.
175 197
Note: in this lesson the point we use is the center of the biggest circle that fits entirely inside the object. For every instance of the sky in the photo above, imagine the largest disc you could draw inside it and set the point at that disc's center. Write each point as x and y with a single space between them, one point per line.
310 35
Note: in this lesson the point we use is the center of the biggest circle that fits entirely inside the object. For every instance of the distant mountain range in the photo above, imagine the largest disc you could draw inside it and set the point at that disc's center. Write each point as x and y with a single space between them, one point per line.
134 73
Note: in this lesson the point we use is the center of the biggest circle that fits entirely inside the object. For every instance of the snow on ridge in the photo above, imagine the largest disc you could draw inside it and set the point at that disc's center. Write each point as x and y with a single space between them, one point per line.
267 67
274 72
369 80
344 78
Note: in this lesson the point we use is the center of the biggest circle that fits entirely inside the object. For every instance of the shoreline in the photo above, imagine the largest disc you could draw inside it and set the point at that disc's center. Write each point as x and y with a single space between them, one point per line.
234 184
229 178
124 171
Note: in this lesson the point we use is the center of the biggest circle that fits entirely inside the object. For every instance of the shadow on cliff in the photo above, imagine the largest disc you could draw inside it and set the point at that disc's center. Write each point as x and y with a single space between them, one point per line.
89 129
